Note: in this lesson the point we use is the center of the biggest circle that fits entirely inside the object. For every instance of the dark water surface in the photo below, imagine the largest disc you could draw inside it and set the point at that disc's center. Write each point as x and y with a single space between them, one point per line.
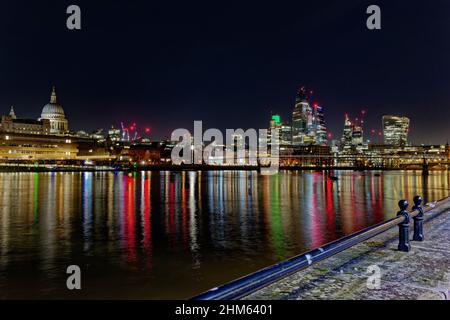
173 234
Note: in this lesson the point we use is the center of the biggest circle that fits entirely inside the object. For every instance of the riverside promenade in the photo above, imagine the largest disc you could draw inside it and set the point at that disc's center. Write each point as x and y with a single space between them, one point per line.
421 274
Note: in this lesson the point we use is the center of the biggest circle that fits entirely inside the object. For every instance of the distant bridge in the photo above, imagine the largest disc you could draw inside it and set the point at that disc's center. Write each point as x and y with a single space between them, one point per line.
286 162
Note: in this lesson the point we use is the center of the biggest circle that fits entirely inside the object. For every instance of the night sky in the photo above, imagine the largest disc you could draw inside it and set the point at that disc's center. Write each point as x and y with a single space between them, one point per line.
165 64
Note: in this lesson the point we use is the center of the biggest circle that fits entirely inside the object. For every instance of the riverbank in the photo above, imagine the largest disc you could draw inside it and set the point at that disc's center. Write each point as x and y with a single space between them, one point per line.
75 168
421 274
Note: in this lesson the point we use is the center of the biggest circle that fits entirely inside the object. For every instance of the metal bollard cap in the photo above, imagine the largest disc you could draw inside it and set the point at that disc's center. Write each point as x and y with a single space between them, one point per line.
403 204
418 200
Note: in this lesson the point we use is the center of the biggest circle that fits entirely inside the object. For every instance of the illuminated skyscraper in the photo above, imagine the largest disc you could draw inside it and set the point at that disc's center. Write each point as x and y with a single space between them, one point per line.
353 137
302 119
357 135
308 124
320 129
348 132
395 130
284 130
275 123
114 134
286 134
274 126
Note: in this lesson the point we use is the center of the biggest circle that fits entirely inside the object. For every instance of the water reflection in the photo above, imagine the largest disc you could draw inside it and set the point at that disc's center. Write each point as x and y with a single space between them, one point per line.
173 234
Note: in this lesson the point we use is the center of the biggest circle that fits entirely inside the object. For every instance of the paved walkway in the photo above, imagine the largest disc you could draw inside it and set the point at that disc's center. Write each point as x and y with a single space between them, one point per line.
421 274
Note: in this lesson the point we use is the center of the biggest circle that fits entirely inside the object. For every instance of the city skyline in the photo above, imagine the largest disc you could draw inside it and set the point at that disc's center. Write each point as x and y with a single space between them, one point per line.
374 134
306 126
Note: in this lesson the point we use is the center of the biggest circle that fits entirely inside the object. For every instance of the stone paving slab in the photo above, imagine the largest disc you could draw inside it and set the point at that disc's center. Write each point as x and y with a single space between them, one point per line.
421 274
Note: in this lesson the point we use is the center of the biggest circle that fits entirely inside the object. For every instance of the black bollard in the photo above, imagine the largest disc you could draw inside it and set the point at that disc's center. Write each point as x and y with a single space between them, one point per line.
403 227
418 220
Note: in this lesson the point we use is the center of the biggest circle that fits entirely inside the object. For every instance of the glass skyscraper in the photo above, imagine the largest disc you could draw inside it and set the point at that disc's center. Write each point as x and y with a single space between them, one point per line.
284 130
395 130
302 118
308 123
319 125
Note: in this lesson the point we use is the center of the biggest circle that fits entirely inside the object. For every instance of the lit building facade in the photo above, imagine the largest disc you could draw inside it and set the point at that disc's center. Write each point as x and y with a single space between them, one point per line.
308 123
395 130
52 120
346 140
34 147
284 133
114 134
357 135
20 146
274 127
352 140
302 119
320 127
10 123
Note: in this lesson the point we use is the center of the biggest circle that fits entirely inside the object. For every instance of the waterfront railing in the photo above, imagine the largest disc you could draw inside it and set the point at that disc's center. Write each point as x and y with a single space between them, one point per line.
248 284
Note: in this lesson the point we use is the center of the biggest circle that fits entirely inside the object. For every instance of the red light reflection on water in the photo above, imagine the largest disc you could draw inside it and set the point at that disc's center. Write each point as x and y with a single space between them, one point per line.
129 219
147 230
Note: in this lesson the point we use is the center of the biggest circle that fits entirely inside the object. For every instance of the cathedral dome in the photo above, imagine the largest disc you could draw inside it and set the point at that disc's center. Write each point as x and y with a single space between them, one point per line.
53 110
53 113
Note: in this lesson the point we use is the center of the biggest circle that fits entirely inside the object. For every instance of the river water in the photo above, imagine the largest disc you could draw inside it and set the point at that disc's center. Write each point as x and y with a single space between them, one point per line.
162 235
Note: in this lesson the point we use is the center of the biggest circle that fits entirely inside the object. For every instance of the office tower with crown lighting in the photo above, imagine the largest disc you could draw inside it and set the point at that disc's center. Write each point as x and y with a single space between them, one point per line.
308 123
302 119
